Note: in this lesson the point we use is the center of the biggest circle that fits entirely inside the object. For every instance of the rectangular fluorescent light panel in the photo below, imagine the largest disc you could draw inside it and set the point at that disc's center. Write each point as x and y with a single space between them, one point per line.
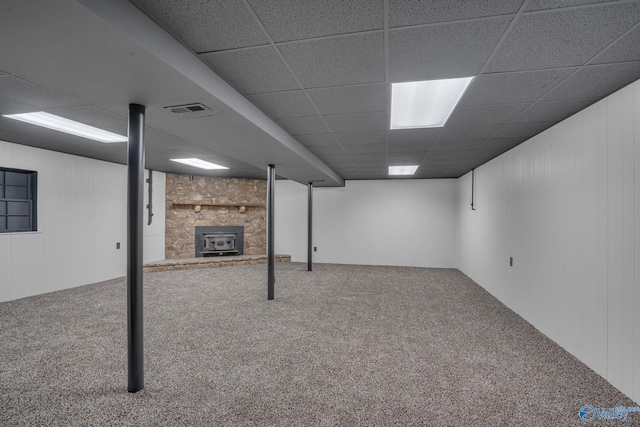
425 104
61 124
197 163
402 170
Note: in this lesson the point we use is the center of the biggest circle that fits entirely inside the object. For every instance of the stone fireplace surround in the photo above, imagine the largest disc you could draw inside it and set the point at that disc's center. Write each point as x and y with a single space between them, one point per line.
207 201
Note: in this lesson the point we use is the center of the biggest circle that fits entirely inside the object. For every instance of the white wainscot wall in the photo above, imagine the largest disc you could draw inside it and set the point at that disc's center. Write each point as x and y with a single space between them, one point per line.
566 206
388 222
81 217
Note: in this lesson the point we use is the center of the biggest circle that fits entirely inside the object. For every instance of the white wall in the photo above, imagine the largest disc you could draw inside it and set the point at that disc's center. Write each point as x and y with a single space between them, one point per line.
81 216
291 200
566 206
389 222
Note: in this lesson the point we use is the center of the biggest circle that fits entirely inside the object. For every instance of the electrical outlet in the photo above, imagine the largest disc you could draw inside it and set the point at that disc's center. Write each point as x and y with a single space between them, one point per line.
510 261
315 249
117 245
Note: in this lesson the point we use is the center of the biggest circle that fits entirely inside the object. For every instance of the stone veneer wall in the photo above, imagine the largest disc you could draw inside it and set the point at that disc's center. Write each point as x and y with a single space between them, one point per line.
195 200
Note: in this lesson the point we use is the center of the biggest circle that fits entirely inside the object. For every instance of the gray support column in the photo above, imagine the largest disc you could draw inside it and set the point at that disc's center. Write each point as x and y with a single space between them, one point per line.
310 235
271 275
135 161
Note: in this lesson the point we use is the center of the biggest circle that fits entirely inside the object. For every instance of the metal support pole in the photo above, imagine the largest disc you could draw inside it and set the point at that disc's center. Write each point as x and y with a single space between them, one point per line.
135 161
271 279
310 235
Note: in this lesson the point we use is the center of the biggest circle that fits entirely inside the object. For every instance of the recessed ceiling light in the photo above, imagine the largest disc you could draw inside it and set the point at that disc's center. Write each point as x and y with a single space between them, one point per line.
199 163
61 124
425 104
403 170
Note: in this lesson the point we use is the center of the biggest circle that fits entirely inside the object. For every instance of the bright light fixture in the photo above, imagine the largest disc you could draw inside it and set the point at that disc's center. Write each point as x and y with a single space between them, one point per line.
425 104
61 124
403 170
199 163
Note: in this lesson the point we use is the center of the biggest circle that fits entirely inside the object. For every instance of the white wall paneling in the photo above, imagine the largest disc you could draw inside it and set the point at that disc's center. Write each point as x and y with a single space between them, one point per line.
566 206
390 222
291 228
81 217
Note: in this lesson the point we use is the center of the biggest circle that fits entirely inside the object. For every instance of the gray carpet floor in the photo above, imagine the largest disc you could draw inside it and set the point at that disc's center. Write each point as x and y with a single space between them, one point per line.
342 345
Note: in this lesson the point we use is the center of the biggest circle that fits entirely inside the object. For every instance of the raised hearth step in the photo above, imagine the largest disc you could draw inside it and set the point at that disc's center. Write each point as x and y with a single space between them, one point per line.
210 262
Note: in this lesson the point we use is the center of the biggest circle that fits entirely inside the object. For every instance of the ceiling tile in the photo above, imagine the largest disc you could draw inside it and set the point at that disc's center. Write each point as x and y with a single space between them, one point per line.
503 144
255 70
321 150
443 163
304 19
206 26
569 37
485 114
316 139
433 169
367 137
596 81
427 174
415 12
93 116
523 130
407 147
484 154
553 111
554 4
448 154
344 162
24 92
365 148
338 61
328 158
9 135
413 157
624 49
357 122
469 132
461 49
303 125
414 135
342 168
457 144
375 169
169 142
507 88
470 162
380 166
12 107
278 105
36 136
351 99
369 158
379 175
369 171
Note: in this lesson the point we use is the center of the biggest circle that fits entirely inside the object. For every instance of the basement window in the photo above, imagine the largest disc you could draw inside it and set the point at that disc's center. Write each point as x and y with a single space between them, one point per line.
18 200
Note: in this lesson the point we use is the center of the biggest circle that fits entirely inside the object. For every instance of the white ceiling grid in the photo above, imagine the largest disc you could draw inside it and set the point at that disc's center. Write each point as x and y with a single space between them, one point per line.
322 69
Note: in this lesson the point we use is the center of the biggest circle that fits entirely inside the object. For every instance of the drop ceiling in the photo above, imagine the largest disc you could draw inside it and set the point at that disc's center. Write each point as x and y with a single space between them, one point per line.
305 84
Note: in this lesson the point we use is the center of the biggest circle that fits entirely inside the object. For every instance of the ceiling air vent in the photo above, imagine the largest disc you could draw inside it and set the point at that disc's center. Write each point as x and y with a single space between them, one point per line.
189 111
